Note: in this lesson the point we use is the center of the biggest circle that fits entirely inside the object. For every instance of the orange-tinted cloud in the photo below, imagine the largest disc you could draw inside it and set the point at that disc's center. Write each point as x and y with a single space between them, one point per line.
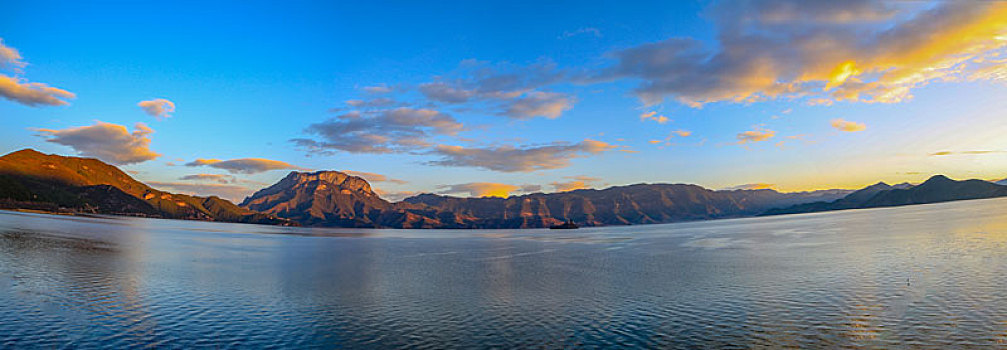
857 51
660 119
752 186
757 135
10 58
109 142
487 189
577 183
848 126
158 108
19 90
32 94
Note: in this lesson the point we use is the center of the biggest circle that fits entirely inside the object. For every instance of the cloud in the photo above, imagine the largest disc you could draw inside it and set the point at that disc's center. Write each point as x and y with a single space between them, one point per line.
395 196
753 186
244 165
518 159
848 126
487 189
372 103
582 31
387 131
978 152
671 135
756 135
576 183
158 107
219 178
19 90
230 192
443 92
109 142
857 51
377 89
509 90
372 177
660 119
539 104
32 94
10 58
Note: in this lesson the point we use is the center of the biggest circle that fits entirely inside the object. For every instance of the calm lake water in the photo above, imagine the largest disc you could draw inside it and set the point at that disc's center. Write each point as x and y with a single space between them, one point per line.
918 276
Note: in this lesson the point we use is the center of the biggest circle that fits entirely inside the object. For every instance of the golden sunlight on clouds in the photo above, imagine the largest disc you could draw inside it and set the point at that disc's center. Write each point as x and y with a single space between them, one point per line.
844 71
159 108
576 183
109 142
487 189
848 126
874 59
660 119
32 94
757 135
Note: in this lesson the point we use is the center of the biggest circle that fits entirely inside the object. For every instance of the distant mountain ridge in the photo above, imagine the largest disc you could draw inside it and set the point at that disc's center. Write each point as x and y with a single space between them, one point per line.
331 198
938 188
31 179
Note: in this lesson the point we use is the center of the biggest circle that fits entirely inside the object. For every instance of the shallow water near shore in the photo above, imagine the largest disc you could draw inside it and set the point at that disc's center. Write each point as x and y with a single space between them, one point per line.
916 276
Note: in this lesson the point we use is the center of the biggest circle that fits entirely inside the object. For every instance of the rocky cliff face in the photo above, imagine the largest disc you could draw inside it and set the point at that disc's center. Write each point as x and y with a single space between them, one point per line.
622 205
331 198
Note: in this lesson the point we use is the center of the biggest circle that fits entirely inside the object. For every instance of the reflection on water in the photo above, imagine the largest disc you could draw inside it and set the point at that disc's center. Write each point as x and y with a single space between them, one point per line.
920 276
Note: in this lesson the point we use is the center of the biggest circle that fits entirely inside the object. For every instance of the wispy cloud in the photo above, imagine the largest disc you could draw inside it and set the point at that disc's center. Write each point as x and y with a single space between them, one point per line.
386 131
757 135
660 119
244 165
518 159
230 192
751 186
582 31
975 152
373 177
219 178
109 142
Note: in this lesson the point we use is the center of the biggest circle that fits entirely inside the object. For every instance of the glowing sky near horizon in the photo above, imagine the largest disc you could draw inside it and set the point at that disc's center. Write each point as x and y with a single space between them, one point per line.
496 98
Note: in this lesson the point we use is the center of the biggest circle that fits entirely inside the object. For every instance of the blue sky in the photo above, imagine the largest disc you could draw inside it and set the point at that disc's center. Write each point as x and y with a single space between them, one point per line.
247 78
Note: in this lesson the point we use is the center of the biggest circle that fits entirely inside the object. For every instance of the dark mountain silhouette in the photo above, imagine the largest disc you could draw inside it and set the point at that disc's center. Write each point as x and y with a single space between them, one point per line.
33 180
1002 182
938 188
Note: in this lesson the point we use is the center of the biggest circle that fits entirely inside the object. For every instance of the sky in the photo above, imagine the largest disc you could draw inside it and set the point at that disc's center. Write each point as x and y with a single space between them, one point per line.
481 98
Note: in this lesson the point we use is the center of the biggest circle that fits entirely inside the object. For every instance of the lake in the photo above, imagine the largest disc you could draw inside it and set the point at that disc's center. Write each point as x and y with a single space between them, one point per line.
916 276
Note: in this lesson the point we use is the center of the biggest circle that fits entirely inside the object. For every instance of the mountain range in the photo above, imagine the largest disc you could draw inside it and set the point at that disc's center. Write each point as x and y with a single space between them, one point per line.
33 180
